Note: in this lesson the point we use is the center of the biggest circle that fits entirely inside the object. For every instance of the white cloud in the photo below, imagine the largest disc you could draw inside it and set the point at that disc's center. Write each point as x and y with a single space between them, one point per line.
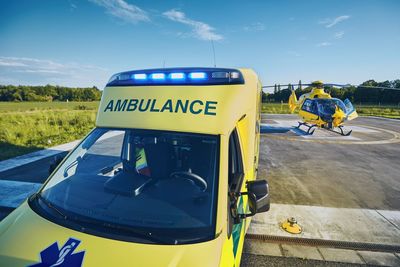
332 22
294 53
254 27
123 11
200 29
32 71
339 35
8 63
323 44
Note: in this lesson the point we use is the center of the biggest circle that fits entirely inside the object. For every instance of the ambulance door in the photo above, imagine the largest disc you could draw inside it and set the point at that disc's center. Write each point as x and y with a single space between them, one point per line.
236 227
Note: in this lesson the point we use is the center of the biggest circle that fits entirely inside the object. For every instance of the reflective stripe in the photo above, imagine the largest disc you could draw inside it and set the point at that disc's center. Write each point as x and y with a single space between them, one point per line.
237 229
141 161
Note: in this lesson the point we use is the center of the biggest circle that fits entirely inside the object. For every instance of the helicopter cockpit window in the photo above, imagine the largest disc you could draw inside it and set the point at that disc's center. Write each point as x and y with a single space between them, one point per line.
156 181
309 106
349 106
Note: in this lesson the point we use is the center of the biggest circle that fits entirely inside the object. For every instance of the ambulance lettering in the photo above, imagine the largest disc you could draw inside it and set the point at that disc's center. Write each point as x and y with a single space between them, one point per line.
195 107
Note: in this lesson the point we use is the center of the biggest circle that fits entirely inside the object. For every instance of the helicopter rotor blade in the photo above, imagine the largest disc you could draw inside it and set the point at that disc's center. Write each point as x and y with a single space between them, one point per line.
341 86
379 87
338 85
286 85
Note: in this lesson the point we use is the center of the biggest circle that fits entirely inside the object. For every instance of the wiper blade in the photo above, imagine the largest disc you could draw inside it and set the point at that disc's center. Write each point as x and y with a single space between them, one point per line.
136 233
145 235
50 206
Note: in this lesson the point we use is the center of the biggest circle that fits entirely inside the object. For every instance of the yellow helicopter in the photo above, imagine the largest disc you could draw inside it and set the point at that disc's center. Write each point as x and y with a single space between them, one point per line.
318 109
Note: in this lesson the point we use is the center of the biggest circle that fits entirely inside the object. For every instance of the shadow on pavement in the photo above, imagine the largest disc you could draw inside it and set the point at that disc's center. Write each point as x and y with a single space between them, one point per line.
8 150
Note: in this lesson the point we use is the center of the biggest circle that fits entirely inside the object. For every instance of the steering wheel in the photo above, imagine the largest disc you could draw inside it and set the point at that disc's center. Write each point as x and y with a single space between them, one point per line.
198 180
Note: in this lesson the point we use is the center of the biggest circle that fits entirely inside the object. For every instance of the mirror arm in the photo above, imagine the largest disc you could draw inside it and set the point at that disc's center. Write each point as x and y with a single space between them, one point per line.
252 197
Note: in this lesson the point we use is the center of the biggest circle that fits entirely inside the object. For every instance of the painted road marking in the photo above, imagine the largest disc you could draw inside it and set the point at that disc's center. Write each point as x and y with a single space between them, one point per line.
13 193
322 138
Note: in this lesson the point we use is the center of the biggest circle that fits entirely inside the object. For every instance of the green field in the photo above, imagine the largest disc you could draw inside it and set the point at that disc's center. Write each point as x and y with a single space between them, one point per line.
31 126
35 106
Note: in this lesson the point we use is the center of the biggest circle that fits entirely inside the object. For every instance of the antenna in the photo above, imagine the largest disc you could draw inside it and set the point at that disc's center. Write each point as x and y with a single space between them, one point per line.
212 44
163 65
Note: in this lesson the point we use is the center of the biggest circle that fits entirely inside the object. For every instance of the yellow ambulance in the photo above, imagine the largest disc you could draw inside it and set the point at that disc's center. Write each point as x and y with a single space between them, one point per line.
167 177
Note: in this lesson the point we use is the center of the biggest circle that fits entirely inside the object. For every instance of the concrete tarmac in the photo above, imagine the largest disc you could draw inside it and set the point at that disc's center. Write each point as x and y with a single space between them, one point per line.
331 170
250 260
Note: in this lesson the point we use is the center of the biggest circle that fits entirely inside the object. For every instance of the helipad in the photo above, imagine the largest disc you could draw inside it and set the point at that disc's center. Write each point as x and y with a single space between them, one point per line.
285 128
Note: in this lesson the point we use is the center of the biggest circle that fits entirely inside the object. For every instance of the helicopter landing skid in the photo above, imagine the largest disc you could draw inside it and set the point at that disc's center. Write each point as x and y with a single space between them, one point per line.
310 127
342 133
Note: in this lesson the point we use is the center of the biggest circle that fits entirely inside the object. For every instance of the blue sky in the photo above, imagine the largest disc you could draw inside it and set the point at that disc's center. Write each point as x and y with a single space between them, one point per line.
82 43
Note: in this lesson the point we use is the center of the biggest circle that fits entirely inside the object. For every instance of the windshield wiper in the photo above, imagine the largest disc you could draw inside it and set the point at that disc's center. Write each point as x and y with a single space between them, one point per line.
136 233
50 206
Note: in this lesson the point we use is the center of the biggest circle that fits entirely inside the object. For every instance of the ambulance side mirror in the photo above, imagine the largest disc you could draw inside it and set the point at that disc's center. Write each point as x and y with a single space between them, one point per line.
259 202
258 199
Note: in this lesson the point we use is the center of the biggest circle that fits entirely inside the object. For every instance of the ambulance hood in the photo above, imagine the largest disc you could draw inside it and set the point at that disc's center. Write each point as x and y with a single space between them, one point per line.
26 239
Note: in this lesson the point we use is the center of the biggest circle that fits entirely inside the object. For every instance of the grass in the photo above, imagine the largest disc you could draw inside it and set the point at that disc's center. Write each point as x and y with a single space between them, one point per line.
363 110
35 106
30 126
275 108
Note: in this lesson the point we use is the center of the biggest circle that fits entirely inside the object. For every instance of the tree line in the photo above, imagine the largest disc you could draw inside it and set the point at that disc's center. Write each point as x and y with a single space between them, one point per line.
48 93
356 94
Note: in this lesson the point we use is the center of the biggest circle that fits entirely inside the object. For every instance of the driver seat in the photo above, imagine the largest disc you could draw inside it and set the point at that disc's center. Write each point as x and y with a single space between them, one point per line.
159 159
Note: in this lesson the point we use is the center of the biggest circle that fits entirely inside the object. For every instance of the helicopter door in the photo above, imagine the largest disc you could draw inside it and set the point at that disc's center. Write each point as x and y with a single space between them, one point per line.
350 110
309 110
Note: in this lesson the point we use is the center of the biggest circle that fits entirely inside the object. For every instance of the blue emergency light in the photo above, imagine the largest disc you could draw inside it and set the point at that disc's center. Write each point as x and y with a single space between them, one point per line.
177 76
140 76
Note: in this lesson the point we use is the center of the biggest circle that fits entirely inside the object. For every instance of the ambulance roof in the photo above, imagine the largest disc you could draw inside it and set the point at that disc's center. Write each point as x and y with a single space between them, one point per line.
199 100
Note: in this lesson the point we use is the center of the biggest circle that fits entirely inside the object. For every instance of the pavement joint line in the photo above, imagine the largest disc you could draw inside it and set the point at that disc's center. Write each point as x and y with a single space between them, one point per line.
387 219
361 257
397 255
281 249
320 253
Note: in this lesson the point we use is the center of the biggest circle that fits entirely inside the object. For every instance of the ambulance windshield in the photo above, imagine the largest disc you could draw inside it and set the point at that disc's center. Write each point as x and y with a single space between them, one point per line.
161 184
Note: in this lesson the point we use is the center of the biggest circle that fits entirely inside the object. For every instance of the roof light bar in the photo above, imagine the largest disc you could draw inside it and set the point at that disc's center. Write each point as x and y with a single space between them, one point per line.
177 76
